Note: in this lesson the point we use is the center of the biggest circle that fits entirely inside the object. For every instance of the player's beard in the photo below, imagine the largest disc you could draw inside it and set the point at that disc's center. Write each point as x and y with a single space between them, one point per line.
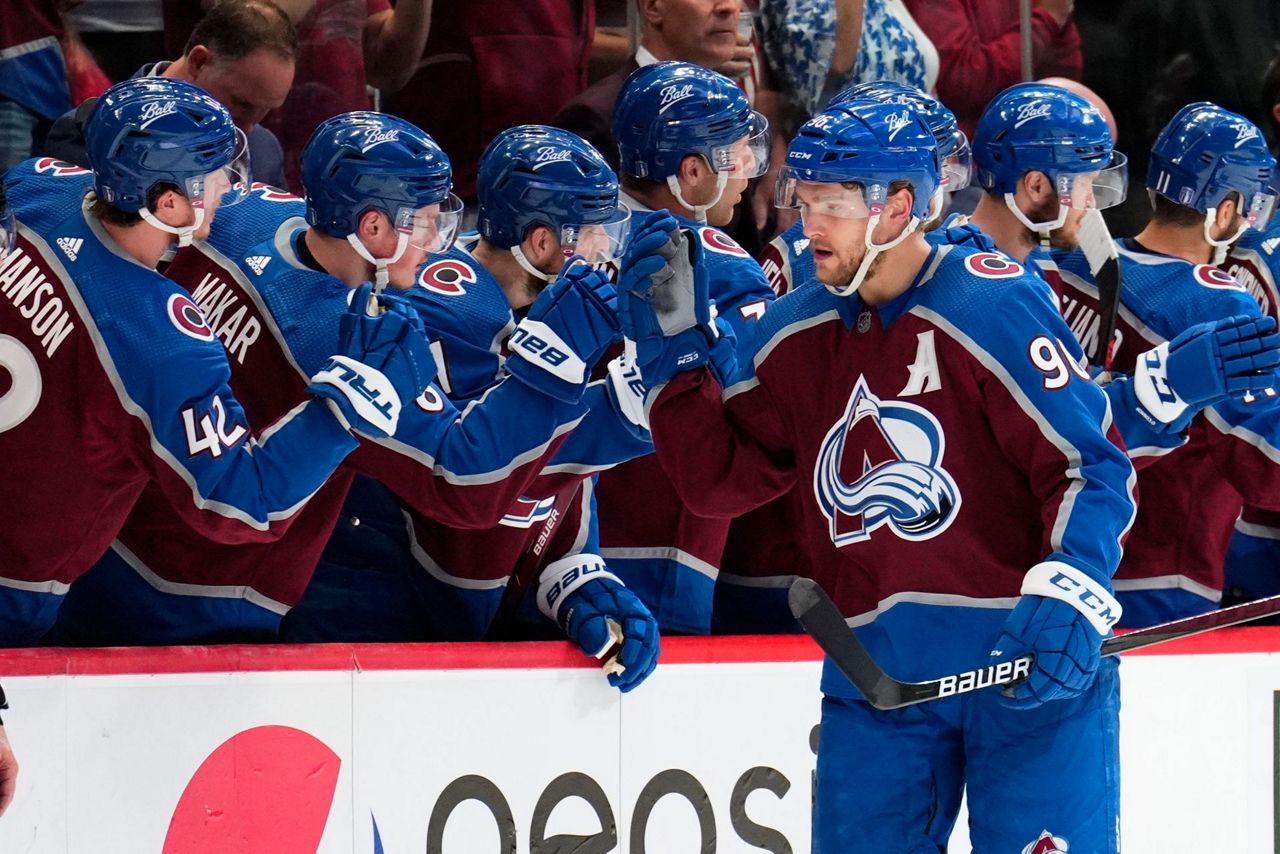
845 272
1059 238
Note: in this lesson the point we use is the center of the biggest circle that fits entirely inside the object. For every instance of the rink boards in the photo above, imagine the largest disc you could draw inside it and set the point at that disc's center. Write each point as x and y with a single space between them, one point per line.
494 748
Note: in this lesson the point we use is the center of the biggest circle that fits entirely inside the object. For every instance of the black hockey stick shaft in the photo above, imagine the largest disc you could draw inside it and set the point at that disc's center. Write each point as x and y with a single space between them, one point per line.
823 621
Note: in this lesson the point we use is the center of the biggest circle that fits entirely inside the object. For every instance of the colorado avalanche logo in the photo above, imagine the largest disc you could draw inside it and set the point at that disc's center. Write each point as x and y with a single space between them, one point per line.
188 317
880 464
1047 844
528 512
58 167
992 265
718 241
268 193
447 277
1212 277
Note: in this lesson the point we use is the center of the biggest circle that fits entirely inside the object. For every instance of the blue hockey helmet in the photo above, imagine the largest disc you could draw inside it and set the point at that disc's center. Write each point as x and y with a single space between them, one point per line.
953 145
362 161
1033 127
1206 153
537 175
151 131
670 110
859 150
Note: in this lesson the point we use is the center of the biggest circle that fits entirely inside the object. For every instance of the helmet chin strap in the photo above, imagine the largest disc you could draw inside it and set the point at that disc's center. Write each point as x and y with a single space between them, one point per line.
185 232
699 211
1044 229
380 275
873 250
528 267
1219 246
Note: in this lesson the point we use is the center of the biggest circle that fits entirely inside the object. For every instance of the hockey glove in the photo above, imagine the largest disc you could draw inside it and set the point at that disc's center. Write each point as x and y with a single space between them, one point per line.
597 611
1062 619
382 360
664 300
568 328
1206 364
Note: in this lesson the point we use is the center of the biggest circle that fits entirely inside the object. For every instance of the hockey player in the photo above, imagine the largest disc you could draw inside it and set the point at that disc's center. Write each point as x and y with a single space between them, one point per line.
1253 557
785 259
544 195
688 141
272 286
1210 178
927 399
118 385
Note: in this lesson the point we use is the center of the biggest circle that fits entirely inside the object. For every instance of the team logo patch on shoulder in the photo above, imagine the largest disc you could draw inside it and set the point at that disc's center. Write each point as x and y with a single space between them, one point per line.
448 277
1212 277
718 241
268 193
993 265
53 166
188 317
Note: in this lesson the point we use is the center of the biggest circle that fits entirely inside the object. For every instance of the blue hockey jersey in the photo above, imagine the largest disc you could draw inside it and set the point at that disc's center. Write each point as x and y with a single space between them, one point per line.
162 582
121 388
1192 496
948 444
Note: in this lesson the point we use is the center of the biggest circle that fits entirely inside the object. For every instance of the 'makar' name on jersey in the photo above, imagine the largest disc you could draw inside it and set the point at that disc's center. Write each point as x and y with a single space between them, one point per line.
26 285
237 329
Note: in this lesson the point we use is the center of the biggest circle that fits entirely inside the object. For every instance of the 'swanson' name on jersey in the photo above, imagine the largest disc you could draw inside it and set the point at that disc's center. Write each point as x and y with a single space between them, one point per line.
25 285
237 329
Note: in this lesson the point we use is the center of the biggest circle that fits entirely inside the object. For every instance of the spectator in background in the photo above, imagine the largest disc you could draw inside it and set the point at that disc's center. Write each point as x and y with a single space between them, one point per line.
491 66
817 47
704 32
118 32
33 75
346 46
243 54
979 43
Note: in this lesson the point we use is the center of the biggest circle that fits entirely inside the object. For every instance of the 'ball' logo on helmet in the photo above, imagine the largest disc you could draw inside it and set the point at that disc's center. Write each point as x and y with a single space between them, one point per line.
991 265
188 317
447 277
1212 277
550 154
373 137
1033 110
672 94
158 110
896 122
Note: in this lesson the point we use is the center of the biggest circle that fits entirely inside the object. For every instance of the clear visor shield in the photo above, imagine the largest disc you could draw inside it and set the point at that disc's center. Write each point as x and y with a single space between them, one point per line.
957 167
8 233
747 157
822 199
1262 206
225 186
431 228
598 242
1103 189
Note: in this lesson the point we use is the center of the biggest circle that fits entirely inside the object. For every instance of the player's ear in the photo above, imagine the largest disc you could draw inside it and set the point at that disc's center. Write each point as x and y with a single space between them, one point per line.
197 58
540 246
897 208
1038 186
172 208
371 226
650 11
1225 217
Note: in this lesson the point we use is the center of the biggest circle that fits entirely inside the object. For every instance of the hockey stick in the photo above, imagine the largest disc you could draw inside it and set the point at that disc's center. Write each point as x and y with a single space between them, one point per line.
819 616
1100 251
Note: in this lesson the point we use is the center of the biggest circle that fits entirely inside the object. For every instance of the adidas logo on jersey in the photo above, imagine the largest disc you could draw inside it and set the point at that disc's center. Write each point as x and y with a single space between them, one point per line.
258 263
800 245
1269 246
70 246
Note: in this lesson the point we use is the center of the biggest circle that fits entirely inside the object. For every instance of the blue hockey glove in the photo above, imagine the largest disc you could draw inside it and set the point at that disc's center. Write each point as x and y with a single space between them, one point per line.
1206 364
1062 618
963 233
664 300
568 328
382 360
598 613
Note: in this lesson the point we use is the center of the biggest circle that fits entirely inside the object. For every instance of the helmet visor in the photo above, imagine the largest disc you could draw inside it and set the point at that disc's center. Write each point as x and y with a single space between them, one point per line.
431 228
598 242
1103 189
1261 208
844 200
957 166
747 156
225 186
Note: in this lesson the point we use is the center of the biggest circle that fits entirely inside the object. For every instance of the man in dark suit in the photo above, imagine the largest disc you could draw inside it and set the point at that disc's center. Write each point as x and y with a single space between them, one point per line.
243 53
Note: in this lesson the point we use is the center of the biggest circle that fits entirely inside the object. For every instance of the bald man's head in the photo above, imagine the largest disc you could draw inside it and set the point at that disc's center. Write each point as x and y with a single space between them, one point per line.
1075 87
